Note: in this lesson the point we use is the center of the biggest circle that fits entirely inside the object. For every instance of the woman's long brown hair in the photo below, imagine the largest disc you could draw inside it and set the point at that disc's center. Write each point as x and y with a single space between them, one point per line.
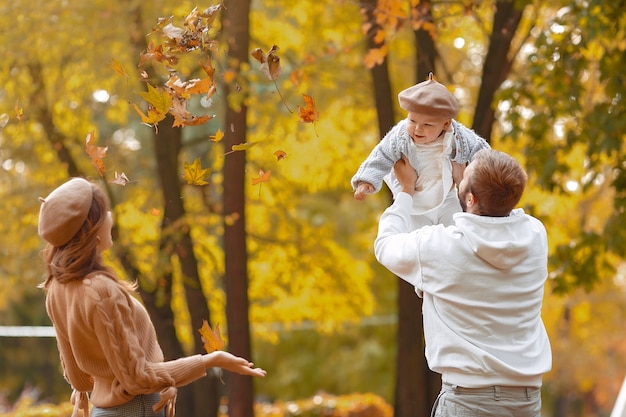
79 257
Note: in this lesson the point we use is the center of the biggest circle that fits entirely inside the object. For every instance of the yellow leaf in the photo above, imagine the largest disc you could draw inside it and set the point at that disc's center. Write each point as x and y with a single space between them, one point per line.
218 136
231 219
158 98
211 339
152 118
243 146
118 68
195 174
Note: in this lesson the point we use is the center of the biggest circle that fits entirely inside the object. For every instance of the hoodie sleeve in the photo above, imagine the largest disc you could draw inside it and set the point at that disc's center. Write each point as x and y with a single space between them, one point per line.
382 158
395 247
466 143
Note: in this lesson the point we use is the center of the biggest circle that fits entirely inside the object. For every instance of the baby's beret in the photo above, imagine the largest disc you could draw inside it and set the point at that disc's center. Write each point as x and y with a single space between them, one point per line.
429 97
64 211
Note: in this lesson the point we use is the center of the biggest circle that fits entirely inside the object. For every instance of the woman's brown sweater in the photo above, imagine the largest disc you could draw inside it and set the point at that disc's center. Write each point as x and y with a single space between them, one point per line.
108 344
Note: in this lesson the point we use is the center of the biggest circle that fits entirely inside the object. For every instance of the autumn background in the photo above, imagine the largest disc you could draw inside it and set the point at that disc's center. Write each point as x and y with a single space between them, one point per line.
226 135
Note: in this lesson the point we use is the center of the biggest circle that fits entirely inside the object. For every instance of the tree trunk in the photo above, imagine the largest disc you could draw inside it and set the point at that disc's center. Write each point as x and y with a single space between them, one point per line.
43 113
426 57
412 392
497 63
240 389
200 398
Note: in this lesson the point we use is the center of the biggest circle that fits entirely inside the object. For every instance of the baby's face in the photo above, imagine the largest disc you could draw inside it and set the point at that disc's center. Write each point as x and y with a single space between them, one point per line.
424 128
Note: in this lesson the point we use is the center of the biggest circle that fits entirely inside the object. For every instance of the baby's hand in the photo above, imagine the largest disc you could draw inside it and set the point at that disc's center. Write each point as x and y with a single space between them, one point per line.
362 190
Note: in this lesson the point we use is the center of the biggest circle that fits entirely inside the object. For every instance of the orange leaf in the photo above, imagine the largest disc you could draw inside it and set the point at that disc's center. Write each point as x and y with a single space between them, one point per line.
308 113
96 153
231 219
211 339
280 155
118 68
375 56
263 177
270 64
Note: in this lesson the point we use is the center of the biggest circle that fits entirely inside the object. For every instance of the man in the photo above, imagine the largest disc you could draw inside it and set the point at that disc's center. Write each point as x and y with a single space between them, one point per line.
482 282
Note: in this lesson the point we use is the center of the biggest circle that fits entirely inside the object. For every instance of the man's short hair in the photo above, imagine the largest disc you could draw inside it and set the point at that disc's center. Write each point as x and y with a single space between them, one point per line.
497 182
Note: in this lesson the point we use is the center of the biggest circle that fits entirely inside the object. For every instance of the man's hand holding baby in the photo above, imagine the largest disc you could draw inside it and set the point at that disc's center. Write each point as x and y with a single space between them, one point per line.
405 174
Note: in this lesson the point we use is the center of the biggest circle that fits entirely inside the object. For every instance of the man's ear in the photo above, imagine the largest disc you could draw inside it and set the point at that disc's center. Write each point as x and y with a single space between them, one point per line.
470 199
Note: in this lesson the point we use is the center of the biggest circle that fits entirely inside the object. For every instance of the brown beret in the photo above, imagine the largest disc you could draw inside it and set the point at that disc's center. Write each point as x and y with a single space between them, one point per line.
429 97
64 211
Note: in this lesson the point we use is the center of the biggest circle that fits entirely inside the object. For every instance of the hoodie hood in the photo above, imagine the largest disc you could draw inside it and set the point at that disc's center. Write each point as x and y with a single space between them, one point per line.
500 241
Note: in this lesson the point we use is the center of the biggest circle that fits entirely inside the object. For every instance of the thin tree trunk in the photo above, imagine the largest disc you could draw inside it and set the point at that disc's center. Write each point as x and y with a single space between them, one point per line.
43 113
426 58
240 388
497 63
200 398
202 395
411 384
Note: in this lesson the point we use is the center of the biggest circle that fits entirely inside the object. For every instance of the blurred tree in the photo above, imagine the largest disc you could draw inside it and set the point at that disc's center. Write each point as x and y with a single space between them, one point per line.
309 259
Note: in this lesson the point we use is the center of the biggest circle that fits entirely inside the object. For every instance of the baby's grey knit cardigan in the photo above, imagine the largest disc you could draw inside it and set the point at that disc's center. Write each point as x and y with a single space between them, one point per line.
395 143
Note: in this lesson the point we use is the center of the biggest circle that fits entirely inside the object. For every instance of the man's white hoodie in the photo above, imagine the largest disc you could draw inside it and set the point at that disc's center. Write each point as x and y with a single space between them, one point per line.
482 283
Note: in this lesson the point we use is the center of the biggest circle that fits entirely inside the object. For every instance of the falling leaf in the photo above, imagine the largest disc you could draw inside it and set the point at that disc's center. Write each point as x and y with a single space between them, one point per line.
19 113
157 98
211 339
243 146
218 136
118 68
121 179
96 153
152 118
231 219
270 63
4 119
280 155
308 113
155 212
155 53
375 56
172 31
263 177
195 174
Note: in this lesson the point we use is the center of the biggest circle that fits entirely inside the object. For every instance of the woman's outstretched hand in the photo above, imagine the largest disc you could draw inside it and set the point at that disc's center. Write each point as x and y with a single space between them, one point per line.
232 363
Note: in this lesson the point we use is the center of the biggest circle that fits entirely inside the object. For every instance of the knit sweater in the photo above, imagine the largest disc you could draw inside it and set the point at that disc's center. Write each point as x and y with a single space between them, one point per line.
397 141
108 344
482 281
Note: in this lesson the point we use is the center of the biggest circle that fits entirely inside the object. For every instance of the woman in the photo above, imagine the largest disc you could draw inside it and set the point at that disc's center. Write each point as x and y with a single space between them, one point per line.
107 343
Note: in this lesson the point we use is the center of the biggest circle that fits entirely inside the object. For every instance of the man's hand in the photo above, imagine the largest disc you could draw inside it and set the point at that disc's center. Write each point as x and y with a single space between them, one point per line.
405 174
362 190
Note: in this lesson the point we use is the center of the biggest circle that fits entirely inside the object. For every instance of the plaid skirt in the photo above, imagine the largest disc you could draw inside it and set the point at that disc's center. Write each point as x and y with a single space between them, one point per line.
140 406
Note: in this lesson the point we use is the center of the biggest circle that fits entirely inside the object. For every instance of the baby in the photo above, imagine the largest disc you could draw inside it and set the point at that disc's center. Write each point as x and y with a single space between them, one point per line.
437 147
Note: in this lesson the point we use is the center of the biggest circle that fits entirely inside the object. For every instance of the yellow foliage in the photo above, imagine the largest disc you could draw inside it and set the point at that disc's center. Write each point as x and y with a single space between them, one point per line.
26 408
